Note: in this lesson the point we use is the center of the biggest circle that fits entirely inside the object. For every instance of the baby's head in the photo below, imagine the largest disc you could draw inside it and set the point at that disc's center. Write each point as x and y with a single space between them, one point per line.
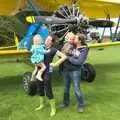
37 39
70 37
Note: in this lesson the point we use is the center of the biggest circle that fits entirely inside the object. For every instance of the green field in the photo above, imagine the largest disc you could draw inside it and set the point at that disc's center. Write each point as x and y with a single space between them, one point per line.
102 97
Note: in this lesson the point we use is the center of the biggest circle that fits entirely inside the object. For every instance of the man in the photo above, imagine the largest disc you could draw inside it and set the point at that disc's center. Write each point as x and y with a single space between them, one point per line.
72 71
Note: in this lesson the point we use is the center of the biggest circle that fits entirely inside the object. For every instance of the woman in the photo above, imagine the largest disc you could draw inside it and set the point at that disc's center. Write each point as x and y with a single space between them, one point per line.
45 86
72 71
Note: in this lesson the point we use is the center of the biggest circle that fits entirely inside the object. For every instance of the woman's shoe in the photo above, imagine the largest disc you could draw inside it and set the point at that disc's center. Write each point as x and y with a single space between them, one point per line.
53 107
41 104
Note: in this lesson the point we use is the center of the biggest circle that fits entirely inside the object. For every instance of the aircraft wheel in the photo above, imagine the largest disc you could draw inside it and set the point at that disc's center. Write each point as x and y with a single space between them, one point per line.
88 72
32 88
29 86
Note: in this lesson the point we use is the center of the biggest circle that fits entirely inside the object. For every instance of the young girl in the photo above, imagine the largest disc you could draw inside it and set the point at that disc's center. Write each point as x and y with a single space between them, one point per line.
38 50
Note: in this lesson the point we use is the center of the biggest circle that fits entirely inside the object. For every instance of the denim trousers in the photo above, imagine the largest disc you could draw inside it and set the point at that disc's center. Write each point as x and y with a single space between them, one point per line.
74 76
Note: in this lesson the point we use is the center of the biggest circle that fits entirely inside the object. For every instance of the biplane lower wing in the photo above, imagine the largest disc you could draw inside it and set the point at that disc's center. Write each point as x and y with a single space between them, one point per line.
107 44
13 52
8 48
13 55
25 52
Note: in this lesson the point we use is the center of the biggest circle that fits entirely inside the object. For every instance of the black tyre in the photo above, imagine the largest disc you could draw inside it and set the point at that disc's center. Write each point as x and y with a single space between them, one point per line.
88 72
32 88
29 86
26 80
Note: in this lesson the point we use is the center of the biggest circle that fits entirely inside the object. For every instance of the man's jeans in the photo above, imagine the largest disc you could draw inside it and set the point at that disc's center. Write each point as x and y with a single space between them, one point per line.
76 77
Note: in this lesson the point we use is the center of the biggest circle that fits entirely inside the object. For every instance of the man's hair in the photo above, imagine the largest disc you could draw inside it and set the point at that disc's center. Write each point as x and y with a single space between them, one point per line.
54 37
81 38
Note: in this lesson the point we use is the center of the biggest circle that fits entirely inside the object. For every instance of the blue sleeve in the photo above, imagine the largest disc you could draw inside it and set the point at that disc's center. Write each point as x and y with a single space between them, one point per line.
80 59
42 49
32 49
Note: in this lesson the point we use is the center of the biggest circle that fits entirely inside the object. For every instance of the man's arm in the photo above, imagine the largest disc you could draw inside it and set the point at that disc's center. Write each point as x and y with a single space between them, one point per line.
80 59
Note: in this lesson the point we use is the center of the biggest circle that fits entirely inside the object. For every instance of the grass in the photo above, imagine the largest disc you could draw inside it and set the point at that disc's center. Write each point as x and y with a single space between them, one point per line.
101 96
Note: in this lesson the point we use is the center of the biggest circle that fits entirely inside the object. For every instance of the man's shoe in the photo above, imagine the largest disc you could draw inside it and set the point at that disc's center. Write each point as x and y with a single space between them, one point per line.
63 105
80 109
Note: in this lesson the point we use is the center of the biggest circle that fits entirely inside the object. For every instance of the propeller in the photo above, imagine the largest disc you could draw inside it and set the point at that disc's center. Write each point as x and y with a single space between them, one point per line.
69 19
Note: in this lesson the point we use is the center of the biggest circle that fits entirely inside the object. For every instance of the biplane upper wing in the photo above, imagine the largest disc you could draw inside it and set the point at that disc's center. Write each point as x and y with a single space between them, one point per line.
100 8
11 7
91 8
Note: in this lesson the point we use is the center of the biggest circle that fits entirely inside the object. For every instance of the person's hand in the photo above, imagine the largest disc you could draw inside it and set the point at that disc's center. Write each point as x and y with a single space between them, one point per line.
48 50
52 64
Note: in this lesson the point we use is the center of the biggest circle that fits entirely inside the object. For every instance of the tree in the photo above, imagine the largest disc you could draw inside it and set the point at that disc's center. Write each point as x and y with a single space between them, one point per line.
9 25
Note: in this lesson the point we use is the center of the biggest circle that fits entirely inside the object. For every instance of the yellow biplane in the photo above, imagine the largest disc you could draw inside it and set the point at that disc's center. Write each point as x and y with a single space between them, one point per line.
93 9
90 8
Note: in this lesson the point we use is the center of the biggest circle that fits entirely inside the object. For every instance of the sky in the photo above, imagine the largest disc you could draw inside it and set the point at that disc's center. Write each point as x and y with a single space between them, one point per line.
107 30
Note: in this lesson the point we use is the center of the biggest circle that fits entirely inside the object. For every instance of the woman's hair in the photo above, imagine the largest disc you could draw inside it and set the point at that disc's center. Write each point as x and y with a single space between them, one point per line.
81 38
53 36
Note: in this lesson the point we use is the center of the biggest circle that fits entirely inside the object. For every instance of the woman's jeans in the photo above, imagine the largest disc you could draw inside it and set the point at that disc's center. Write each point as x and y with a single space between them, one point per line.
76 77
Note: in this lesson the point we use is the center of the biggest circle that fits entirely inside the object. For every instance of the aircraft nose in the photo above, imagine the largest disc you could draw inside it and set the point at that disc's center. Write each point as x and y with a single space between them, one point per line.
30 19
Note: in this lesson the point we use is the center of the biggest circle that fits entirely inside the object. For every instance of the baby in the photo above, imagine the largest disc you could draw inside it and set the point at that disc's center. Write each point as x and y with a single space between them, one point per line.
38 50
69 44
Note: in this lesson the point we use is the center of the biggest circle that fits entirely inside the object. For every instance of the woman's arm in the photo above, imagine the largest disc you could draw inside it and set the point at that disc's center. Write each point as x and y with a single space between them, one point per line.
62 56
